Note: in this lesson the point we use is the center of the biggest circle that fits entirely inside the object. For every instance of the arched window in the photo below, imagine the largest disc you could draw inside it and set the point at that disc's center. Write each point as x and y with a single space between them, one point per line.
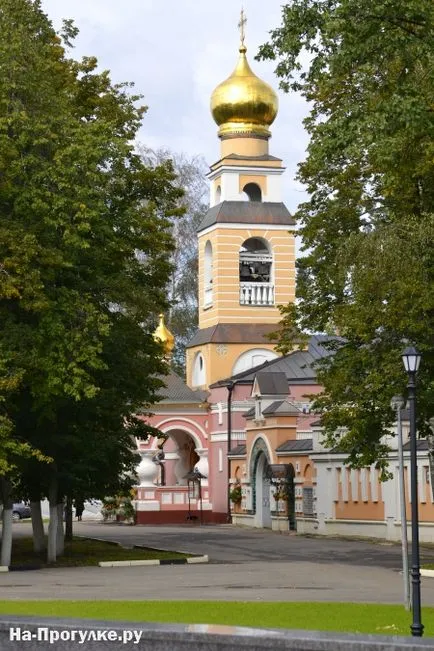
253 192
208 275
252 358
199 371
256 282
218 194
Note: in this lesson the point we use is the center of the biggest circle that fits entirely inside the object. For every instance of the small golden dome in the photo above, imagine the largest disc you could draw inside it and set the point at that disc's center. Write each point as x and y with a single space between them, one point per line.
243 103
165 336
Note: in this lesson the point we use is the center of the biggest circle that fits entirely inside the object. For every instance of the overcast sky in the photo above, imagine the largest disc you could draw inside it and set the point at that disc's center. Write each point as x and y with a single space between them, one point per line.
176 52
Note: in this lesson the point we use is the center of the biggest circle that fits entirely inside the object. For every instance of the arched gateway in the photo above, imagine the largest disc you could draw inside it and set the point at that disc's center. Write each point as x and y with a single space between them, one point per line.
262 493
259 462
268 480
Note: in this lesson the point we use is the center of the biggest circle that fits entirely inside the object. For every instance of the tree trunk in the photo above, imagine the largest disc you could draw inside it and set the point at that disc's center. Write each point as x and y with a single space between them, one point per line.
37 527
68 519
60 534
6 550
52 527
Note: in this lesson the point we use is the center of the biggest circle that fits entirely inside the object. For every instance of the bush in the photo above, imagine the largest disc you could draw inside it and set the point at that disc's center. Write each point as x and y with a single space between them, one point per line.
236 494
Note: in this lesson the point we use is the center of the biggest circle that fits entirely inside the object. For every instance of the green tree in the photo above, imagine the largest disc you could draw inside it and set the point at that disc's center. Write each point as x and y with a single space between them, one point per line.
367 274
190 178
85 245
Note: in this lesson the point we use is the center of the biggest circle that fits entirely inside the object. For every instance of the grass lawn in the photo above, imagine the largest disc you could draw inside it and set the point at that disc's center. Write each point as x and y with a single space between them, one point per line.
351 618
85 551
428 566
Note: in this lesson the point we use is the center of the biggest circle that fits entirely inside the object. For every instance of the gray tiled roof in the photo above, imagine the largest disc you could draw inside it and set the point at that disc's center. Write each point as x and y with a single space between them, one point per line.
297 366
272 383
247 212
238 451
233 333
250 413
282 408
176 390
421 444
300 445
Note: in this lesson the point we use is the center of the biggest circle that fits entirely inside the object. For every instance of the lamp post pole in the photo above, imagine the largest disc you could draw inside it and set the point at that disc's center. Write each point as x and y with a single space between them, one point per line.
397 404
230 388
411 360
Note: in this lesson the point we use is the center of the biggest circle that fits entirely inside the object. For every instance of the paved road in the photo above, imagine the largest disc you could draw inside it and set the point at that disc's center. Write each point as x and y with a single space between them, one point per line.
229 544
259 581
245 565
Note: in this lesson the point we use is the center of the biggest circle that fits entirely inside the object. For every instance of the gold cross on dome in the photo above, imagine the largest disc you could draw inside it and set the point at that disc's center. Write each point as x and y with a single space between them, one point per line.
243 21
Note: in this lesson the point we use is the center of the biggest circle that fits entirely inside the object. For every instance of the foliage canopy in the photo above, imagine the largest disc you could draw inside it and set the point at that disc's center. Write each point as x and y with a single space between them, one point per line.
367 70
85 245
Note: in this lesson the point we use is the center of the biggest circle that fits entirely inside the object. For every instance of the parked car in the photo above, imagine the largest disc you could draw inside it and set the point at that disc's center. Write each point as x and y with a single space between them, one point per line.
20 510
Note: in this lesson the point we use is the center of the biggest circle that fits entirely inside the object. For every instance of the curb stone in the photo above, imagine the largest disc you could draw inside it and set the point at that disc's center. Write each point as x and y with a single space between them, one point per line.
164 561
427 573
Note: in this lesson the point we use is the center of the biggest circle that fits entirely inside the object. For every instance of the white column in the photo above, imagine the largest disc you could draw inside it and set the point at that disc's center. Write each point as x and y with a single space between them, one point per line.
335 483
274 188
344 477
374 484
354 485
422 484
327 505
230 186
364 482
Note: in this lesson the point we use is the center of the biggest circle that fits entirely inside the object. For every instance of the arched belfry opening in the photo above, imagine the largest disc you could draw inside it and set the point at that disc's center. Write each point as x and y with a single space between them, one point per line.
256 269
253 192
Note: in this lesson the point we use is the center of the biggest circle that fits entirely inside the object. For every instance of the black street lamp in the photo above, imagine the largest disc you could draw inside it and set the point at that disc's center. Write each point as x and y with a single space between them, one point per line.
411 360
230 387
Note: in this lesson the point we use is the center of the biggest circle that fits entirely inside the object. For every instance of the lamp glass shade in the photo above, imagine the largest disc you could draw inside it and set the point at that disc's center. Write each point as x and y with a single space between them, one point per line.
411 359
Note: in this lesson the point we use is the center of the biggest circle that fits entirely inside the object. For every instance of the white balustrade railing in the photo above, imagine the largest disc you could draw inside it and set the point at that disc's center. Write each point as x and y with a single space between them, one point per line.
256 294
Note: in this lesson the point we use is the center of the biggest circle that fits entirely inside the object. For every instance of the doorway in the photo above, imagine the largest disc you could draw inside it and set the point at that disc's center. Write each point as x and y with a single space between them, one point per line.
262 492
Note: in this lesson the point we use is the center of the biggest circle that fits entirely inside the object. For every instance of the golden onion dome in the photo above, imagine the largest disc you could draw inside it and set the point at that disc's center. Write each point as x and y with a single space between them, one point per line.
243 103
164 335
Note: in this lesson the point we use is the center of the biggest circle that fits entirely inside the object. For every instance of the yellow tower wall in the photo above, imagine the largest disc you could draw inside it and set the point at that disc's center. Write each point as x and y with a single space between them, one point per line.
219 359
244 146
226 244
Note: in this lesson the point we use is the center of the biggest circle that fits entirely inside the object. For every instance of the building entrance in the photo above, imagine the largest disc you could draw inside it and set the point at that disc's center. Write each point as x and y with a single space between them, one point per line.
262 492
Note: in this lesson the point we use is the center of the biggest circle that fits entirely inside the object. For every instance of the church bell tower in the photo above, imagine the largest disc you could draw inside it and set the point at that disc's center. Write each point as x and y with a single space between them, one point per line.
246 239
